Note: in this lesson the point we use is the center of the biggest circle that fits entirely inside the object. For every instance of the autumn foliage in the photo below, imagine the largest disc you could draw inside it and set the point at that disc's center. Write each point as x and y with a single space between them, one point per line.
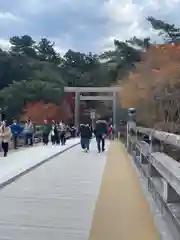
154 87
39 111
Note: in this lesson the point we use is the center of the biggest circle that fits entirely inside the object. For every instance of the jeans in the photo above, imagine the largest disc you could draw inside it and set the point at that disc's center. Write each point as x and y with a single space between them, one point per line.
62 138
28 138
15 141
100 143
85 143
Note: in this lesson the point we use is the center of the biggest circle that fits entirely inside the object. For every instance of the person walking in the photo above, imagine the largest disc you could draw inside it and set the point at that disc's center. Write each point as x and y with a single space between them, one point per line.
62 133
5 135
54 134
28 132
45 132
110 132
16 130
100 132
81 131
86 135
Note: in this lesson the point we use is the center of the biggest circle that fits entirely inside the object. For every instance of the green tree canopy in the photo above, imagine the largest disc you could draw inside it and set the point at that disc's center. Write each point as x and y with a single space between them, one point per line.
33 71
15 96
169 32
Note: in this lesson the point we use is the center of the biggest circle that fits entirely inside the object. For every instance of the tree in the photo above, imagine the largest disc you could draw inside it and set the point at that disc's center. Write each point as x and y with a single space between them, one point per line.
46 51
122 59
79 69
169 32
23 45
14 97
38 111
143 44
156 84
13 68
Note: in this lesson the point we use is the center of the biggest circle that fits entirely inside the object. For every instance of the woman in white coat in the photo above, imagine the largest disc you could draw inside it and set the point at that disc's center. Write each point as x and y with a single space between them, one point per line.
5 136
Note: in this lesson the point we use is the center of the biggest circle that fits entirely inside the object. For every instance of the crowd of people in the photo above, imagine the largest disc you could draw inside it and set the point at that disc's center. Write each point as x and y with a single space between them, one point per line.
55 132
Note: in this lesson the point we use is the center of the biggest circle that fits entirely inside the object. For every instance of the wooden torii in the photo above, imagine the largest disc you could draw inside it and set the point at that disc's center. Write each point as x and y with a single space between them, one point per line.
79 97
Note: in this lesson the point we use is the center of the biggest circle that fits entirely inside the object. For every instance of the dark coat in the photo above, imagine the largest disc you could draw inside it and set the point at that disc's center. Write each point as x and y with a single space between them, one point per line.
101 128
85 131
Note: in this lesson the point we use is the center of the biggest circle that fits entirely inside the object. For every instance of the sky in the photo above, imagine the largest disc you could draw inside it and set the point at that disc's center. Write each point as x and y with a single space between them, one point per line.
80 25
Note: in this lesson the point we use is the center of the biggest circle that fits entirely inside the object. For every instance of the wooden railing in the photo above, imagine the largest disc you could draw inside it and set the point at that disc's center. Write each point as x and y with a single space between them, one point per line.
155 154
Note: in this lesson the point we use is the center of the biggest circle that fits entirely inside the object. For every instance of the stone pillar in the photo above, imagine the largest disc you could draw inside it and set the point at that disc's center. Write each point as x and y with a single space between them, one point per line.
76 111
114 108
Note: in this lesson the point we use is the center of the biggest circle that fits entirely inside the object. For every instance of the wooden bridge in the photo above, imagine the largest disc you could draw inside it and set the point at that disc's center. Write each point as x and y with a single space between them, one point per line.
60 192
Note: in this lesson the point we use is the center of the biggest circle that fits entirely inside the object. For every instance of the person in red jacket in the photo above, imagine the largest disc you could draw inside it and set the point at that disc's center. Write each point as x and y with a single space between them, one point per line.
111 132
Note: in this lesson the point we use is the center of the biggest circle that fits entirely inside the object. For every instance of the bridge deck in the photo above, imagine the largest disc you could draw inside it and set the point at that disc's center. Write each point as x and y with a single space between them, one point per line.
57 200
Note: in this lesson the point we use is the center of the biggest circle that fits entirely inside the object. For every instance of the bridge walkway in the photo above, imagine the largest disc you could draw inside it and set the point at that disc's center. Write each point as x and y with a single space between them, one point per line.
77 196
122 211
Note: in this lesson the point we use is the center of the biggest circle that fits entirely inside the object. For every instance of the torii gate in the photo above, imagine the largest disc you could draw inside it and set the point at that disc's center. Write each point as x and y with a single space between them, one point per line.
79 97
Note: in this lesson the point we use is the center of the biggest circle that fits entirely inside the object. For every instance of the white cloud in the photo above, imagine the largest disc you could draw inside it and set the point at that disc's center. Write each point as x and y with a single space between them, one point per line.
84 25
127 19
122 12
60 50
34 7
60 46
7 16
4 44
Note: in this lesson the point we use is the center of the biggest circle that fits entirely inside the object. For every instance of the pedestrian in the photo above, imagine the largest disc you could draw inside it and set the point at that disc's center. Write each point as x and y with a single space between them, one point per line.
16 130
5 135
54 133
86 135
62 133
100 131
57 134
74 131
110 132
28 132
45 132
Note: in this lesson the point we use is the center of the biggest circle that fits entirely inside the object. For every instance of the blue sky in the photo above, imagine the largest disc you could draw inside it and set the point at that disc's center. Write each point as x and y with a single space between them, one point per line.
83 25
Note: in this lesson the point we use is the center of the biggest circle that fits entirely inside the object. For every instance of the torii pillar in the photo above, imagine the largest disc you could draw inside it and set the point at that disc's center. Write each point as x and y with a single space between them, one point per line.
76 110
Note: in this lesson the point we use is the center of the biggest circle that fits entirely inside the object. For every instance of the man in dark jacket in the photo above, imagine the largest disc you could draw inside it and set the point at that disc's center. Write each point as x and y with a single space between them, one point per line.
86 135
100 131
